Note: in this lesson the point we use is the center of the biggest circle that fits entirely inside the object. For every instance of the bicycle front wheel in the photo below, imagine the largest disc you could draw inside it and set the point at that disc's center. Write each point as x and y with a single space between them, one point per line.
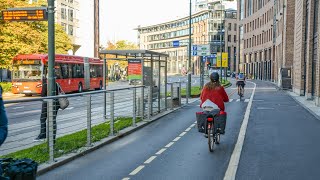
210 136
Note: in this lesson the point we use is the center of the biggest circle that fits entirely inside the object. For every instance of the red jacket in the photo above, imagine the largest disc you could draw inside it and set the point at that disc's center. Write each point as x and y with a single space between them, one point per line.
217 96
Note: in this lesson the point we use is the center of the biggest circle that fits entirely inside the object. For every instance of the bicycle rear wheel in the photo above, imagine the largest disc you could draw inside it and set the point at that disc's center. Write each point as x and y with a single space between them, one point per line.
210 136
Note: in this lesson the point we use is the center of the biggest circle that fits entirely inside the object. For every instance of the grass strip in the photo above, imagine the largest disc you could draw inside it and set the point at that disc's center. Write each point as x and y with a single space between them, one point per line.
72 142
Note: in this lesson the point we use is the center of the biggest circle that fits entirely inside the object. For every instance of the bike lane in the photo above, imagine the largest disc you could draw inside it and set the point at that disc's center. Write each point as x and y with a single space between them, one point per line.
141 155
281 139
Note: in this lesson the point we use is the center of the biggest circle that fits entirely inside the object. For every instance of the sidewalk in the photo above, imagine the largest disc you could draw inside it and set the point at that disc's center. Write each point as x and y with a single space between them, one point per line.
11 96
307 104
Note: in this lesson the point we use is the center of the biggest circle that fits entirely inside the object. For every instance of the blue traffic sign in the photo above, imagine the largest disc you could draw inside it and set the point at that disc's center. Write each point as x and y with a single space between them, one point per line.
176 43
194 47
194 53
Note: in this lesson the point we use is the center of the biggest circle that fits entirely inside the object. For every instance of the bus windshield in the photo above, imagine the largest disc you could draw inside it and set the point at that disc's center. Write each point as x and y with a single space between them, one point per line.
27 72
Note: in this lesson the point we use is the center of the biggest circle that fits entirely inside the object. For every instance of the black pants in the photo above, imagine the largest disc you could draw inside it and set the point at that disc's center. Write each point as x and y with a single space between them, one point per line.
43 119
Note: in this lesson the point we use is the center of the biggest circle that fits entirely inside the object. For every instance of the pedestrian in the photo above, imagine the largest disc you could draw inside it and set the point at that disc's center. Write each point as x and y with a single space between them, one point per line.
44 112
3 120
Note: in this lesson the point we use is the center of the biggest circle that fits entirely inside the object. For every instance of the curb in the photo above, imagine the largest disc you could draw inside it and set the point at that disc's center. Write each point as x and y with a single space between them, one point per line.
43 168
304 106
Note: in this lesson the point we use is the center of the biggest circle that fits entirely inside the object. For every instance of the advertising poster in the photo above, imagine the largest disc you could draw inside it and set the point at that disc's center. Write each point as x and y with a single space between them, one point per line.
134 69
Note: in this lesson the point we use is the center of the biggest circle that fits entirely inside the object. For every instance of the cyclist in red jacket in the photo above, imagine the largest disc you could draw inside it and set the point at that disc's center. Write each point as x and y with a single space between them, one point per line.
214 92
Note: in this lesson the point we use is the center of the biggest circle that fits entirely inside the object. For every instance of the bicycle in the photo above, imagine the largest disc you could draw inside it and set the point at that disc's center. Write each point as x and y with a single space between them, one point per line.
213 133
241 91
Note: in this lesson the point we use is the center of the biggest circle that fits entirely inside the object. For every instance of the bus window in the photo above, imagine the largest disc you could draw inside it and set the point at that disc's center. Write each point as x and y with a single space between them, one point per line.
57 70
65 71
77 71
93 71
99 71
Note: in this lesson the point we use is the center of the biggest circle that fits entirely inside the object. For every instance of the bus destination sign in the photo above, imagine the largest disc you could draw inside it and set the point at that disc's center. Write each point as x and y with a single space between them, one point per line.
25 14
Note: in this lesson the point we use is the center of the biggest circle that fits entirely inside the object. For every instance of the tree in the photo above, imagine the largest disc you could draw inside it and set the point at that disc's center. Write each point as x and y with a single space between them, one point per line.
27 37
119 45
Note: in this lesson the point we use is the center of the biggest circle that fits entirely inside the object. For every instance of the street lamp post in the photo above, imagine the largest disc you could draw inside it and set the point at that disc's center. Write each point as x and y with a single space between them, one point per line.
51 48
221 41
189 60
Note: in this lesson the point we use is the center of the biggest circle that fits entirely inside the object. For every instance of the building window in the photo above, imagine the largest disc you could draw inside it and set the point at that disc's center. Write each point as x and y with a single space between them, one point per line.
70 30
229 26
63 11
229 38
234 38
64 26
71 1
235 27
70 14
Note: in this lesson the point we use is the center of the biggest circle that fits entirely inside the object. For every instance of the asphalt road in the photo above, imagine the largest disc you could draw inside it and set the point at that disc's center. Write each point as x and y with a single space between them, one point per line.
186 157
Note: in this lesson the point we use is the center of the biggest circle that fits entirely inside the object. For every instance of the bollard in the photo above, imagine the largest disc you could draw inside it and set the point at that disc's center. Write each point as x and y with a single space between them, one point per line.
171 95
179 93
187 92
89 120
142 103
111 113
50 130
134 108
149 102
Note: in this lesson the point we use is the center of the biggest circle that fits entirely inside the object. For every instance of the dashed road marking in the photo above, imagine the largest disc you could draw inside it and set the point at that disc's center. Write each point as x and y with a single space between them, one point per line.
246 100
238 100
188 129
126 178
176 139
161 151
182 134
138 169
170 144
192 125
18 107
150 159
230 100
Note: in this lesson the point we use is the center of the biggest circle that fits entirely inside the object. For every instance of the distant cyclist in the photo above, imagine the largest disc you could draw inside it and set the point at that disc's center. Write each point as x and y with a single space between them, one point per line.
241 81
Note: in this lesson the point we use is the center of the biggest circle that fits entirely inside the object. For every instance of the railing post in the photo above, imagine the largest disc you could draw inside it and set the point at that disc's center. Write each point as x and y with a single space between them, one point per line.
111 113
134 107
142 103
149 102
171 96
50 130
89 120
179 93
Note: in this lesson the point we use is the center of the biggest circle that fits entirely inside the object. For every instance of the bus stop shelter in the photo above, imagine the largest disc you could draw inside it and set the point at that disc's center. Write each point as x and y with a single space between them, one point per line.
153 71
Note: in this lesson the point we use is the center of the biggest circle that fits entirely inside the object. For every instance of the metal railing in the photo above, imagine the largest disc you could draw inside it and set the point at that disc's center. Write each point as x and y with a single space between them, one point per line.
83 122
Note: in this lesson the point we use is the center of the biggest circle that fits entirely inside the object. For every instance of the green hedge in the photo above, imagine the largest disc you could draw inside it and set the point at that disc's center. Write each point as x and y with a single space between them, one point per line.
6 86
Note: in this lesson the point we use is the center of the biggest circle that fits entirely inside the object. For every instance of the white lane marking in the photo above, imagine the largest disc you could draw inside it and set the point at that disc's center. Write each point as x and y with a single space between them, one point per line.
238 100
230 100
195 122
161 151
176 139
69 108
192 125
246 100
235 157
138 169
18 107
150 160
182 134
188 129
170 144
265 108
126 178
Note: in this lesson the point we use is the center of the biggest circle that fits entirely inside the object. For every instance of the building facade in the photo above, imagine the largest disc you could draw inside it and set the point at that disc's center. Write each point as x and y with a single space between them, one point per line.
215 26
265 39
306 66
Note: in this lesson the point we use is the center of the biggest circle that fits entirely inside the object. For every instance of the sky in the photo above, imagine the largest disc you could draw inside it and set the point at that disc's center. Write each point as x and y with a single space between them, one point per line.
118 18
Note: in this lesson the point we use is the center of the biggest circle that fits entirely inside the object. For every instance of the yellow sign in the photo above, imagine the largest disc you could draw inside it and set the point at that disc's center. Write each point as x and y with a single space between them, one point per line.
224 60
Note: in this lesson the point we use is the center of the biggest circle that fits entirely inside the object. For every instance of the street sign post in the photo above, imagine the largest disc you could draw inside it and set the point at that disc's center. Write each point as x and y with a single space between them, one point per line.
224 60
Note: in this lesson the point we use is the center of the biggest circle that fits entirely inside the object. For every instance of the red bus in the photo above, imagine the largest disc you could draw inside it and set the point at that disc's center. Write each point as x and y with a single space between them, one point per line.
73 73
